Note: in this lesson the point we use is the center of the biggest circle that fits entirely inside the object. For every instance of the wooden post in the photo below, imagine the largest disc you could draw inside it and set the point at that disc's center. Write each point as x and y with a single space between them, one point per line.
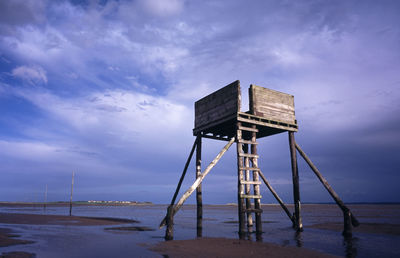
295 176
247 191
257 202
178 187
198 181
199 198
72 190
347 224
334 195
241 205
169 232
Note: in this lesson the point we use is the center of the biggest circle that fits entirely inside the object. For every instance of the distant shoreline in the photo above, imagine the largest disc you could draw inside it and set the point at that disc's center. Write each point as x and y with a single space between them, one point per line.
77 203
133 203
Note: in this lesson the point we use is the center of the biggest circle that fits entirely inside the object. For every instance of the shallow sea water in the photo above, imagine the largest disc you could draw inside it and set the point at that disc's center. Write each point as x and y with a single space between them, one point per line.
219 221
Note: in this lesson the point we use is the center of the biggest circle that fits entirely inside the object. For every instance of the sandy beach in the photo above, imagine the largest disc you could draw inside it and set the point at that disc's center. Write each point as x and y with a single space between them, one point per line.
223 247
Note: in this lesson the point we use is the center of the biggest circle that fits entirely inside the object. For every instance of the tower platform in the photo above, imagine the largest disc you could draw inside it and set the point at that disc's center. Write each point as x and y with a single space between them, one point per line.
217 114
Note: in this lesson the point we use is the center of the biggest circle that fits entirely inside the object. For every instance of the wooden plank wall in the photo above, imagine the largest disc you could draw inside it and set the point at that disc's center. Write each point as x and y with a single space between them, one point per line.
219 104
272 105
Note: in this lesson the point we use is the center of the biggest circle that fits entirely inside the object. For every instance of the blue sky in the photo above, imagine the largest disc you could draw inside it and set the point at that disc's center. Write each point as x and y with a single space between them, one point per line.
106 89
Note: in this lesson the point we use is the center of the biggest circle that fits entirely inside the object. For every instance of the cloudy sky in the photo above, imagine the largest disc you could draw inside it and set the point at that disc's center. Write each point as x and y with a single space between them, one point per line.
106 89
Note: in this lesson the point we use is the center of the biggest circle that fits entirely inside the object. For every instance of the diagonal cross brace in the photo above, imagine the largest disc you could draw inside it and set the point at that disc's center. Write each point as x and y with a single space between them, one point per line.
334 195
198 181
274 193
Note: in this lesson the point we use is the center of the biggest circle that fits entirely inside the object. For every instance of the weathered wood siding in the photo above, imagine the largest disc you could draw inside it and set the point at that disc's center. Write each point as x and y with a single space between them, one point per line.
222 103
270 104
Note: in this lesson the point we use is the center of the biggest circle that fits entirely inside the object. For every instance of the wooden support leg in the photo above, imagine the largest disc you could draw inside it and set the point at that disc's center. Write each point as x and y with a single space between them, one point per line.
199 198
198 181
296 189
277 197
247 191
241 205
330 190
347 231
256 178
178 187
169 232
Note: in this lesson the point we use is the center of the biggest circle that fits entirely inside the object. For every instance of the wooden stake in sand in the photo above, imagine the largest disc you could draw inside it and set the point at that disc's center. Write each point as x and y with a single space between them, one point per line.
72 190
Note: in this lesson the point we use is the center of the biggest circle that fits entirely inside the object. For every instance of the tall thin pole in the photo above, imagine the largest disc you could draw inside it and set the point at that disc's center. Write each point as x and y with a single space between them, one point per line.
72 190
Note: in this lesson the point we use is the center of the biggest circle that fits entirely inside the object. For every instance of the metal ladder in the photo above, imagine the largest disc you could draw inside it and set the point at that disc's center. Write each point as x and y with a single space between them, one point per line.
248 176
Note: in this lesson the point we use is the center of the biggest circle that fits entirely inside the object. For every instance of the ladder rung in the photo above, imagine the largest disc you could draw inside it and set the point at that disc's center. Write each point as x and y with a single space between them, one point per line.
249 196
249 129
250 182
248 155
249 168
253 210
247 142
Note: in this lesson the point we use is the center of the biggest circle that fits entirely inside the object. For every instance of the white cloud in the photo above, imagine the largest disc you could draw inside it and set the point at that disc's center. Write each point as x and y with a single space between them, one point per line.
34 150
162 8
31 74
119 118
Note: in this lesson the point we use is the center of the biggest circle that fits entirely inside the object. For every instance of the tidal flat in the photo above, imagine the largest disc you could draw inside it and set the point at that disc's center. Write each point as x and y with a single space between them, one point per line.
132 231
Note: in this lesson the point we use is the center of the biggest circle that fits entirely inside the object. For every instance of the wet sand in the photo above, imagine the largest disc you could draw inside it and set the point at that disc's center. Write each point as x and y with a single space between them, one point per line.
224 247
204 247
8 237
382 221
36 219
371 228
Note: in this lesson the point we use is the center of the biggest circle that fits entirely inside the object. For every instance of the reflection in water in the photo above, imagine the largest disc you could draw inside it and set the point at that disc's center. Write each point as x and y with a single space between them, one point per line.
299 239
199 231
259 237
350 244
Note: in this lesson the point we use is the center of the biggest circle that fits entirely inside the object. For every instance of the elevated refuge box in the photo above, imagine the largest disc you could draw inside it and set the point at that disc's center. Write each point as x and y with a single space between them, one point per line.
218 113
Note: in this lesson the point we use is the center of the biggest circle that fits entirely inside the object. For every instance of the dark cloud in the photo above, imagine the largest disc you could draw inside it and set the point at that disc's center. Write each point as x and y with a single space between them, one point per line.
14 14
18 12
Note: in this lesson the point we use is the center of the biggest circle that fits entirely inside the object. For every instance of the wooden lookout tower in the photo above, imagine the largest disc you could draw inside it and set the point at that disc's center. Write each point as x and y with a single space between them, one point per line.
218 116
